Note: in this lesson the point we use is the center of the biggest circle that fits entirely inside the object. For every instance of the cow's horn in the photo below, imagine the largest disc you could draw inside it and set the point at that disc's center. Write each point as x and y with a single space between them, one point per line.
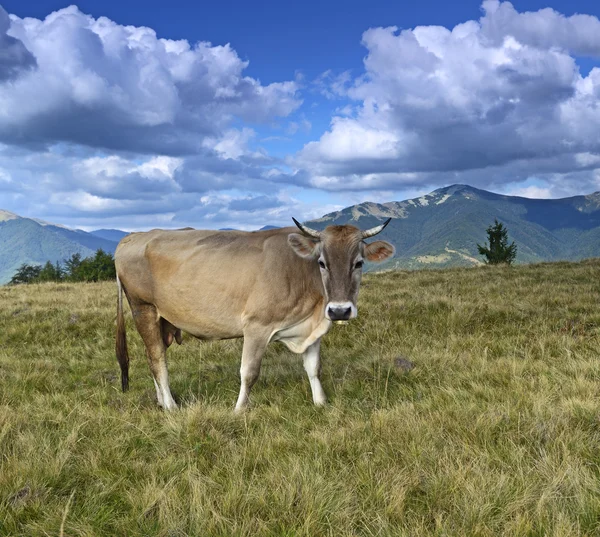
306 230
374 230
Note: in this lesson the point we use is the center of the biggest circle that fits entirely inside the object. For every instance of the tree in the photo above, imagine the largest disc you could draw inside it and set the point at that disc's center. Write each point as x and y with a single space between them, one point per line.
95 269
50 273
498 251
104 265
26 274
72 267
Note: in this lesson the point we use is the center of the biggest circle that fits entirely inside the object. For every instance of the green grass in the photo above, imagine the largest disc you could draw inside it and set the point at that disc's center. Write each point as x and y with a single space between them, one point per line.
495 431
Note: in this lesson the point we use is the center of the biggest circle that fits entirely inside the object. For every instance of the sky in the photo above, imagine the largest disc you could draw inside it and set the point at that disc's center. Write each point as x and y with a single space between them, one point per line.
135 115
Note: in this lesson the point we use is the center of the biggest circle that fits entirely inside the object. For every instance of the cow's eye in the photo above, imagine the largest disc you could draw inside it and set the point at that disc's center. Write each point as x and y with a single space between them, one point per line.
322 264
359 264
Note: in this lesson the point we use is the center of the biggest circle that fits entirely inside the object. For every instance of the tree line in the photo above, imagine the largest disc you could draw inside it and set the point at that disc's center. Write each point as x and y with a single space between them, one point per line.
100 266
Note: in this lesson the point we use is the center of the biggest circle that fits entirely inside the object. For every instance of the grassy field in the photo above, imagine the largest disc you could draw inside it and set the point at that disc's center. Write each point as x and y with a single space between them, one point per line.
495 431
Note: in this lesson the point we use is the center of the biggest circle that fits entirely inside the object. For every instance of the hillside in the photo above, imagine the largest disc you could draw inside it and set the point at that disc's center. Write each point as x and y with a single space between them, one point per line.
493 432
25 240
443 228
114 235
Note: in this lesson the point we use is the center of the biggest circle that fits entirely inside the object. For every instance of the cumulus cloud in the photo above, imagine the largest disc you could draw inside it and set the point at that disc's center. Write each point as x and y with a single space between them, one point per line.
143 192
534 192
225 210
233 144
99 120
104 85
543 29
14 56
502 93
254 203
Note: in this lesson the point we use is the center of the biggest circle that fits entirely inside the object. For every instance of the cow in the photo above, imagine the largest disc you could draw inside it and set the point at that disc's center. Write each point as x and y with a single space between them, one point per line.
273 285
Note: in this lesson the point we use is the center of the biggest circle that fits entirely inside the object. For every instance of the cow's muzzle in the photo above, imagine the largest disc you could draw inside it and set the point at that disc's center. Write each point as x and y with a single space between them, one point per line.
337 311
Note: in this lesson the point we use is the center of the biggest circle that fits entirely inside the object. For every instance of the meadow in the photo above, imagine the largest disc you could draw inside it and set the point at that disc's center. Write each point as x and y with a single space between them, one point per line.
494 431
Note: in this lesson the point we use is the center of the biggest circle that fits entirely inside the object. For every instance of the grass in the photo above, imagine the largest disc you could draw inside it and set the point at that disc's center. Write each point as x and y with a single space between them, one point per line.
495 431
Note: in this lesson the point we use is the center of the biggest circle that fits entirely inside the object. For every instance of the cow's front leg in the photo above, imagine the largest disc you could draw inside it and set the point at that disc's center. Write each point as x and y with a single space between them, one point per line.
252 353
312 366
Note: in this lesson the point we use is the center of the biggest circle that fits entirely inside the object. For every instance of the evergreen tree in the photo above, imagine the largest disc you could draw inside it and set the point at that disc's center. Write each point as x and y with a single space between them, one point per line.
50 273
104 265
97 268
26 274
72 267
498 250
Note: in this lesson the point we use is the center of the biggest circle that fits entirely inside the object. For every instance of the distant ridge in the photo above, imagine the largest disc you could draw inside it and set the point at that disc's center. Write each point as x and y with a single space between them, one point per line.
114 235
33 241
442 228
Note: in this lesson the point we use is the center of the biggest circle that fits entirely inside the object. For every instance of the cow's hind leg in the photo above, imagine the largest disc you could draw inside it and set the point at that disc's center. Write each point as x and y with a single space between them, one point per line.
148 323
252 353
312 366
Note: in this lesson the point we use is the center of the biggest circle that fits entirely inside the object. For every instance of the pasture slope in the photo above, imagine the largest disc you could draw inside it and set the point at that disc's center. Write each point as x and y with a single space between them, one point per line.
495 432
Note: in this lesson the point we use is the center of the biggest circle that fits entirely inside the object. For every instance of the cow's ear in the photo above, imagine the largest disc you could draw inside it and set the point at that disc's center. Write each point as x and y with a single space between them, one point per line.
379 251
303 246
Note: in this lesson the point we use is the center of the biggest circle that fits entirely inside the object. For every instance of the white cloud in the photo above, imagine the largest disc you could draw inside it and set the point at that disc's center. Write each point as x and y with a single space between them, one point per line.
219 210
500 96
100 120
14 57
350 139
85 202
104 85
544 29
535 192
233 144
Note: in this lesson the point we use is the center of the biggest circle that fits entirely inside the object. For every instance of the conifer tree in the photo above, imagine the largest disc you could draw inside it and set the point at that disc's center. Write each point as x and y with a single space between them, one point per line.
26 274
498 250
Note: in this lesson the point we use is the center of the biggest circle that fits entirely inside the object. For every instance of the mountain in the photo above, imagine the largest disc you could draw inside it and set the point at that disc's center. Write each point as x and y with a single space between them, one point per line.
266 228
443 228
28 240
114 235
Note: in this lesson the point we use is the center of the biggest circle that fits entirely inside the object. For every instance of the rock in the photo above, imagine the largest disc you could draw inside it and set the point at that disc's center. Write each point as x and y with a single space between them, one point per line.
403 364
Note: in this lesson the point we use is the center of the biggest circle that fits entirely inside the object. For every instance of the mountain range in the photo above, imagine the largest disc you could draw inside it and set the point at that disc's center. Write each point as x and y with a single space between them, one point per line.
443 228
439 229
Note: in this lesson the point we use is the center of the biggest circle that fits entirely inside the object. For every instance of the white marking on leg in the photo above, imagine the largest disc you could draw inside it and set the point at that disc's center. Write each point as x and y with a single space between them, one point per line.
243 397
312 366
252 354
159 396
248 376
163 381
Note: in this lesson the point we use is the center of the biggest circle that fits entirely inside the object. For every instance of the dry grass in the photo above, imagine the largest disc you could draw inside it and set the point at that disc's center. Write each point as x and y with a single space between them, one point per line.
496 430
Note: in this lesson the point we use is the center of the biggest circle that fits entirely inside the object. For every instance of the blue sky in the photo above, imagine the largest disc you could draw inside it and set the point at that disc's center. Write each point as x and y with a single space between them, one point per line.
312 106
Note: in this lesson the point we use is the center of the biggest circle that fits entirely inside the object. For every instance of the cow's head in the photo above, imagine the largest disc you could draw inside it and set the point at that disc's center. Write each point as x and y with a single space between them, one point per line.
340 252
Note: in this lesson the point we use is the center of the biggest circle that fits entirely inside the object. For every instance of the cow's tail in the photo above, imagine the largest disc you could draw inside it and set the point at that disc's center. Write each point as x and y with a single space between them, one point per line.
121 341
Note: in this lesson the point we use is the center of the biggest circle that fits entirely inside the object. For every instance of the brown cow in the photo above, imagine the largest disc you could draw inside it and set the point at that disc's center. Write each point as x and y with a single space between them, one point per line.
274 285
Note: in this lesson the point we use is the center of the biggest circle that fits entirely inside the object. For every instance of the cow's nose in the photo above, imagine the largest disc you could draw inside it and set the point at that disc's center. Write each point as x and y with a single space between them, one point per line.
339 314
